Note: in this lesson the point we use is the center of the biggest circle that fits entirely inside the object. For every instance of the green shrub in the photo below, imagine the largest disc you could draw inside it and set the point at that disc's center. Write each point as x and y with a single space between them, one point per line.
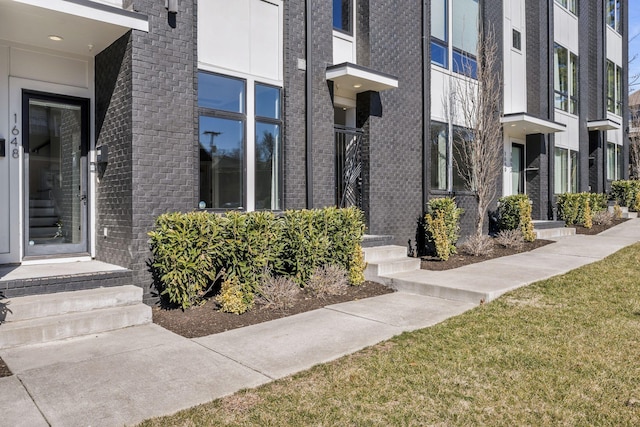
509 211
251 246
443 226
305 244
190 250
186 250
624 192
578 208
636 204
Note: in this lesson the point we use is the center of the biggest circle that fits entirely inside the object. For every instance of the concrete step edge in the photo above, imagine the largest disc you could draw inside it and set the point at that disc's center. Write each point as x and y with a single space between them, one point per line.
53 328
41 306
383 253
439 291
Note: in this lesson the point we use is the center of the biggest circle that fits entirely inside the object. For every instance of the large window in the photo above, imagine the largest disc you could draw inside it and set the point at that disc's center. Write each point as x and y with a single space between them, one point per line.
268 152
565 171
343 15
446 157
614 15
614 88
565 79
455 21
223 139
614 161
439 156
571 5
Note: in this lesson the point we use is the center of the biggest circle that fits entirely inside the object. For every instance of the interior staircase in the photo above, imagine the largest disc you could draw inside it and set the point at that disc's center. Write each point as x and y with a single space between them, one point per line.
38 319
43 220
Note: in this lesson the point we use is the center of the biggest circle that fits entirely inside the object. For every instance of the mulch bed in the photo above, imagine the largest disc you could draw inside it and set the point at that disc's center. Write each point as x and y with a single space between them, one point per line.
4 370
461 259
206 319
595 229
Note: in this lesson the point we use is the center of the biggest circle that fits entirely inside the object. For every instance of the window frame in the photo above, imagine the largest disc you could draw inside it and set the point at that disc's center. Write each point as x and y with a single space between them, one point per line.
280 153
250 122
455 59
614 88
566 99
341 28
228 115
569 174
570 5
613 15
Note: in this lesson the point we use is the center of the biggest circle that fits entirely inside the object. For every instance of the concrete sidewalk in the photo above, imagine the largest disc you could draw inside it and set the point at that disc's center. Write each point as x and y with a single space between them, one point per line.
126 376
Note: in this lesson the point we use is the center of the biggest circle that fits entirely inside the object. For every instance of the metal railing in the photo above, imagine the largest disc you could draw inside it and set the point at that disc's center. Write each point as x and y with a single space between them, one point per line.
349 166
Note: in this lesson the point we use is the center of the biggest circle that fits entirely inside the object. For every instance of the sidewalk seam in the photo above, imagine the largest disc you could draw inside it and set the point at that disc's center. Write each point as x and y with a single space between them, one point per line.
33 400
233 360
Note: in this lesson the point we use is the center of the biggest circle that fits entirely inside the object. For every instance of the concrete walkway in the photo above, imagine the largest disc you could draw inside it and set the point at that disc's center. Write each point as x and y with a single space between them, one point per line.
126 376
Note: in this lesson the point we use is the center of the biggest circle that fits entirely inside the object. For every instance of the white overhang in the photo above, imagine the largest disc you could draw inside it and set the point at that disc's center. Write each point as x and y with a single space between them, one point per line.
84 27
350 79
522 124
603 124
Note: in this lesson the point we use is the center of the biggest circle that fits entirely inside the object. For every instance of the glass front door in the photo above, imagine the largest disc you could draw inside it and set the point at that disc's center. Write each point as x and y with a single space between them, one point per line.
517 169
55 142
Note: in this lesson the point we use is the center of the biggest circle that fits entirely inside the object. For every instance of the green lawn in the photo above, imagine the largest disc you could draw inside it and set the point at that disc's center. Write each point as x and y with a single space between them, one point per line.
565 351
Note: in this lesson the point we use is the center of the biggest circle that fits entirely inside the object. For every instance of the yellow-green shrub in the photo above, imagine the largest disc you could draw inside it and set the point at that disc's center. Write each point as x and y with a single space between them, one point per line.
572 207
624 192
526 223
234 297
442 226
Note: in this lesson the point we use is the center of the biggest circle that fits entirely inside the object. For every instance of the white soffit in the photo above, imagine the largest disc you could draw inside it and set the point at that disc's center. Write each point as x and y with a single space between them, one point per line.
352 78
604 124
522 124
86 27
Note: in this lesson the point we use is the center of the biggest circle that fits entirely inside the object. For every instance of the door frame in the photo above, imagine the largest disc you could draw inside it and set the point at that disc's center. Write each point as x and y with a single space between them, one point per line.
81 248
16 172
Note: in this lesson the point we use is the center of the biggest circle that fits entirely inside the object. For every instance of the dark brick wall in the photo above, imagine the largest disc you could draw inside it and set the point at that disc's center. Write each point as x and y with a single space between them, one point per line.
164 152
114 129
146 104
395 137
294 134
324 181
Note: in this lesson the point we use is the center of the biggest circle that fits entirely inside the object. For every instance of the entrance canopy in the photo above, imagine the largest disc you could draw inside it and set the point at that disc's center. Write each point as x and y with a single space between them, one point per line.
350 79
520 125
80 27
603 124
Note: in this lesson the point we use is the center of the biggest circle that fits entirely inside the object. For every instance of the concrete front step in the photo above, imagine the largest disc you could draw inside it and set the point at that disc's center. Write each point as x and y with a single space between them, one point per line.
38 306
45 329
554 233
393 266
625 212
384 253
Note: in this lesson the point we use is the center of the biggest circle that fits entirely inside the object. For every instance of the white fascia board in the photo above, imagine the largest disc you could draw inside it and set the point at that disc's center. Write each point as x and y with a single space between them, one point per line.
350 75
604 124
94 11
531 125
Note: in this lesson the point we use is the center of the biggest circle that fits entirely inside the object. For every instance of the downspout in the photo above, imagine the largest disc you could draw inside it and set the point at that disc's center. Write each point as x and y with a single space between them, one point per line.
426 67
603 134
551 107
309 104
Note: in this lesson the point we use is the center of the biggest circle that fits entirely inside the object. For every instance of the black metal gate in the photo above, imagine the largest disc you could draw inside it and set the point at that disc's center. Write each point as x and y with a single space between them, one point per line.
348 166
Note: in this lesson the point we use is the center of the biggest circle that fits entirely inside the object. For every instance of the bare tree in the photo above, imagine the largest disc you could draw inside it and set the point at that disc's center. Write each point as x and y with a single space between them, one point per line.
476 105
